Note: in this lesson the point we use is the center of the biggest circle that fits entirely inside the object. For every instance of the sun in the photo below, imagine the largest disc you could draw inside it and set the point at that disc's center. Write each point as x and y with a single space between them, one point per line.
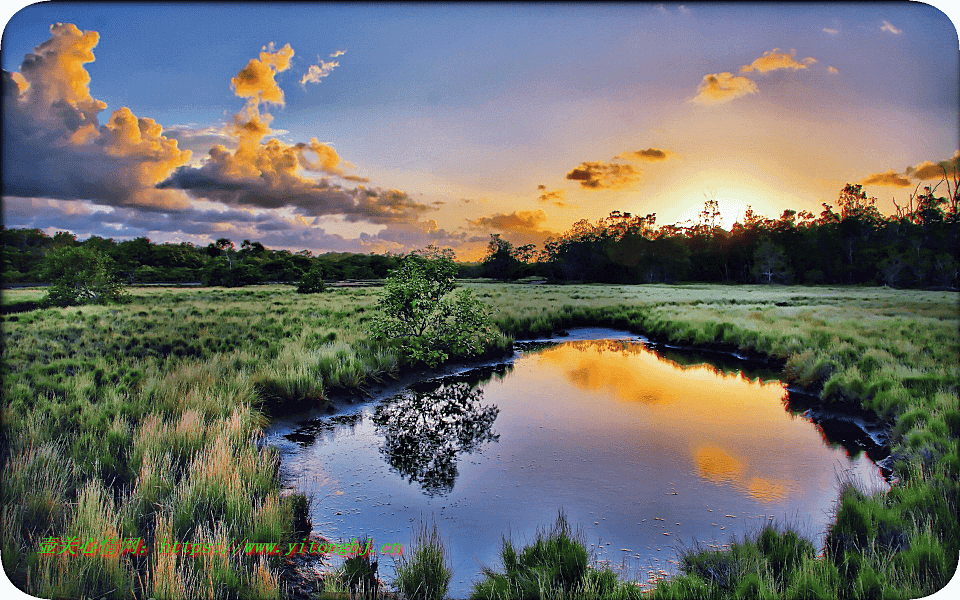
731 211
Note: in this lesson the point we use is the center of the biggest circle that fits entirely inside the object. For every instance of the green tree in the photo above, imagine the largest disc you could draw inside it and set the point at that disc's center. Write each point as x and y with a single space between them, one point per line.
312 282
424 318
81 275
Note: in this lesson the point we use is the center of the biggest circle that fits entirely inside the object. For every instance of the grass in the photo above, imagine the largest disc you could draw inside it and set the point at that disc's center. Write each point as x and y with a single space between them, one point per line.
144 419
424 573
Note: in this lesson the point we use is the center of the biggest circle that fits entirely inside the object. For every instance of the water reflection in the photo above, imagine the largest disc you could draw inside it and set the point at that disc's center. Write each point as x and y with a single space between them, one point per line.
647 450
733 426
424 432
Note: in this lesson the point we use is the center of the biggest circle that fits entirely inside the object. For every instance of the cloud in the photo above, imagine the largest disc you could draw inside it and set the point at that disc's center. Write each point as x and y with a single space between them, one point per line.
832 70
338 53
889 178
258 80
931 170
201 227
649 155
269 173
831 31
317 72
519 221
54 145
717 88
599 175
924 171
775 60
889 28
555 197
519 228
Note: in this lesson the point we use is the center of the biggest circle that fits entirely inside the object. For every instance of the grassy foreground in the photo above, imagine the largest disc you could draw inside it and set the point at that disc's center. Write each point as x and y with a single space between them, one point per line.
143 420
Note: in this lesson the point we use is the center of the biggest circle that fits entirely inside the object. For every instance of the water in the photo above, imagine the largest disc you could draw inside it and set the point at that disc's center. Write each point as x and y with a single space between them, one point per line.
647 452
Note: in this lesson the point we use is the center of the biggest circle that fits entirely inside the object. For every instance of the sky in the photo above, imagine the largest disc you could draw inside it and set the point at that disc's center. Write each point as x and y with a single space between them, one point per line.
386 128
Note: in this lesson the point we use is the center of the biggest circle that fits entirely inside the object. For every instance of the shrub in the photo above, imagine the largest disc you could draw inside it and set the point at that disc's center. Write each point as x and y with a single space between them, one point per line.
81 275
424 318
312 282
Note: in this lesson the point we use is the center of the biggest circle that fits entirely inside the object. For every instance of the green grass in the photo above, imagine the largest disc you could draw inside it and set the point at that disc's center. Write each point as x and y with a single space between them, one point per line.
423 572
144 418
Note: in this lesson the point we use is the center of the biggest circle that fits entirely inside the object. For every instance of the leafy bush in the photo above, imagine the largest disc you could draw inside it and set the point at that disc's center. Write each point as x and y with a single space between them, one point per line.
312 282
424 318
424 574
81 275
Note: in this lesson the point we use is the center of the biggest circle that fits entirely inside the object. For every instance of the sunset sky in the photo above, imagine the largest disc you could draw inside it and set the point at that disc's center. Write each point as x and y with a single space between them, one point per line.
373 128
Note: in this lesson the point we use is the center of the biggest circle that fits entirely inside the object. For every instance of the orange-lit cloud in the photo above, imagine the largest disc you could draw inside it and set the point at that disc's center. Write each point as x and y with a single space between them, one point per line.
57 147
832 70
775 60
600 176
831 31
648 155
888 178
923 171
717 88
269 173
930 170
555 197
522 220
258 80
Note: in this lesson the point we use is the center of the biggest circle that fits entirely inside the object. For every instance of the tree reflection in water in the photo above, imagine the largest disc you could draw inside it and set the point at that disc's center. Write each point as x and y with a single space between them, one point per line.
424 432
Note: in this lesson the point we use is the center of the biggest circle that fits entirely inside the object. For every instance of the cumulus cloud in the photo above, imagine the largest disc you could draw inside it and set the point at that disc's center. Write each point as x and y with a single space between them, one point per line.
717 88
54 145
889 28
269 173
600 175
832 70
258 80
775 60
649 155
889 178
555 197
338 53
831 31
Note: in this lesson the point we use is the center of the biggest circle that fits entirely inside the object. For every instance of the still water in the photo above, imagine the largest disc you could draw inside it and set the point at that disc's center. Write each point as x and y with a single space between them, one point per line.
646 451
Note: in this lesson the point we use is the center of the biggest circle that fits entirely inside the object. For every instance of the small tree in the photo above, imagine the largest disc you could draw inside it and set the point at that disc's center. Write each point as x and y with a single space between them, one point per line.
422 315
81 276
312 282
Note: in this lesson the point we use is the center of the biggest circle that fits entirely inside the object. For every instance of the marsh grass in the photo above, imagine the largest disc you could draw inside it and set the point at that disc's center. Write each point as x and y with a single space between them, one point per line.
556 566
423 572
146 417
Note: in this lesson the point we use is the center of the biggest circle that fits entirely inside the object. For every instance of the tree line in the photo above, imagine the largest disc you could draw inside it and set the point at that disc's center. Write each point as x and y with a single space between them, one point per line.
850 244
28 254
853 243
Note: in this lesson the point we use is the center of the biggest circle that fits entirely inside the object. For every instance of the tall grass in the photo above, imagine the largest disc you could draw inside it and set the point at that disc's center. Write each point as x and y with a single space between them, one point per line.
423 572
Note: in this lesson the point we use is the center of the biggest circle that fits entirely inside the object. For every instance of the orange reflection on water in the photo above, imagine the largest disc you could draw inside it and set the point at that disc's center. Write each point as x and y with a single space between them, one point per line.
717 465
735 432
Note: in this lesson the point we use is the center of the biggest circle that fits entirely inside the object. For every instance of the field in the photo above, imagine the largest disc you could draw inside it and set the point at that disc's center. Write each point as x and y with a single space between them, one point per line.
142 420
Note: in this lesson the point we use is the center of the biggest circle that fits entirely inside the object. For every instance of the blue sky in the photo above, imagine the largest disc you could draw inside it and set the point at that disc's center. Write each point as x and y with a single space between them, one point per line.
451 122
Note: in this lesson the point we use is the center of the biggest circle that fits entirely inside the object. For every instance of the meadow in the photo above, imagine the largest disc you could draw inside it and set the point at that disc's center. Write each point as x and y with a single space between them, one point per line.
144 420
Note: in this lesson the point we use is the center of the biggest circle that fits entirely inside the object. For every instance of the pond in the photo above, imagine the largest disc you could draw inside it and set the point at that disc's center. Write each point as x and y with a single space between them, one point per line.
647 450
